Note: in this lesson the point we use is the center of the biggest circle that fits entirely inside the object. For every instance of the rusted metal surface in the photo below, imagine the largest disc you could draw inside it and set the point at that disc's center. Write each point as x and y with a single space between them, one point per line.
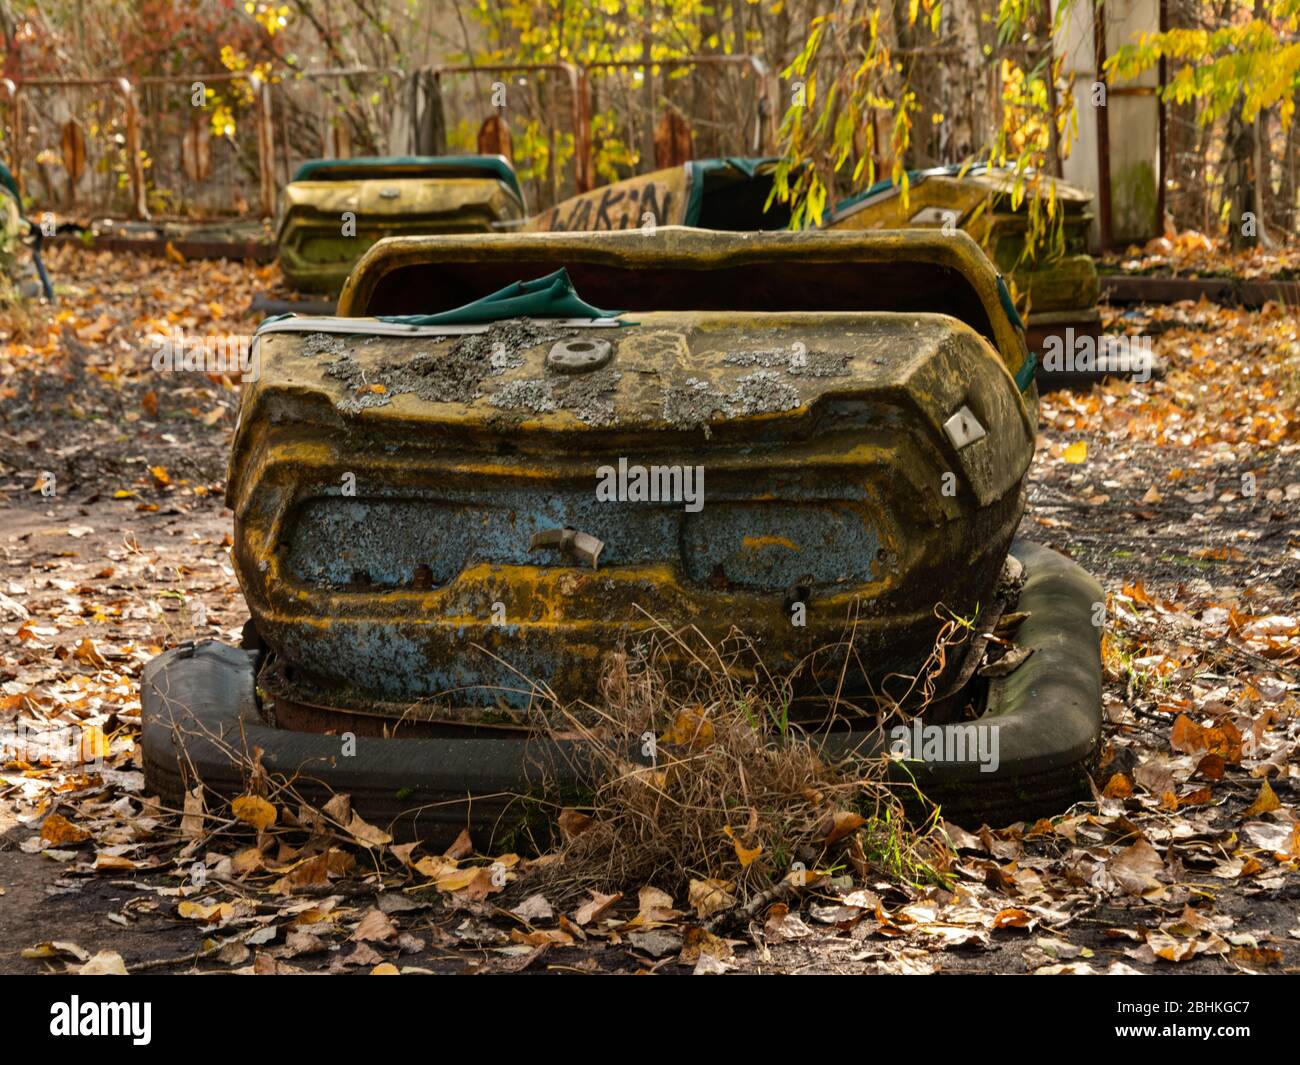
815 413
1105 220
763 139
112 88
265 147
149 117
140 122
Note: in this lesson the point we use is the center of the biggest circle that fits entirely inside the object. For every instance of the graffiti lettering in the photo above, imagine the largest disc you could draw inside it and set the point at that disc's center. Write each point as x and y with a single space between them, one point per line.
608 200
611 208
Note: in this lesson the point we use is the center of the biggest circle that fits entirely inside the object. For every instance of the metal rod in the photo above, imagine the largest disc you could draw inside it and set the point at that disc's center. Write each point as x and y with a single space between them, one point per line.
1103 128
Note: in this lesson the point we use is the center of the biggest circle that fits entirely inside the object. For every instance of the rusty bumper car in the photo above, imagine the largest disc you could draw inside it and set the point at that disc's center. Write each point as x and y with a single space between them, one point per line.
734 194
334 209
1061 288
437 537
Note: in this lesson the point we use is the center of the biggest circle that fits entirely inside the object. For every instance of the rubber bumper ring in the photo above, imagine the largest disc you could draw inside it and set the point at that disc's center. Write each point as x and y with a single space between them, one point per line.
201 718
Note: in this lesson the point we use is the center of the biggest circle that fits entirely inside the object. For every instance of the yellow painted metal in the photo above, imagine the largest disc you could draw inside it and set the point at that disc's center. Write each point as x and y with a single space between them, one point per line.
979 203
892 270
326 226
816 413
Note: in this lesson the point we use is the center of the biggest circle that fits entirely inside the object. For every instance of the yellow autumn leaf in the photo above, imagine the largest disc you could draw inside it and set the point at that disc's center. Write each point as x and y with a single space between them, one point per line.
709 896
196 911
1265 801
1076 453
254 810
87 652
435 866
94 744
459 880
690 728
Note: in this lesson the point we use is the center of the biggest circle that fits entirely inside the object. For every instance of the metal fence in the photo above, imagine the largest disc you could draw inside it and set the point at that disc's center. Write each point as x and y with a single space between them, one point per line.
690 107
535 114
220 145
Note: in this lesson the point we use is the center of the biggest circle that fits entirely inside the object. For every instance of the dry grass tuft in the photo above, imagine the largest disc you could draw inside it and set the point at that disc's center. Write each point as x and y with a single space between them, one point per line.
710 781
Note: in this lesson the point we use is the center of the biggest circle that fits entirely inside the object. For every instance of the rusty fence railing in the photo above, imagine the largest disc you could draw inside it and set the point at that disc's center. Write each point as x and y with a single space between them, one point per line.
697 106
206 141
220 145
536 114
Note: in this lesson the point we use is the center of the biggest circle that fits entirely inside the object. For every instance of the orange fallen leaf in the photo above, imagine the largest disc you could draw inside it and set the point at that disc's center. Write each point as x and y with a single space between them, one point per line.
745 855
573 823
196 911
1013 917
58 829
1257 956
1189 737
690 728
1211 767
842 823
87 652
1118 787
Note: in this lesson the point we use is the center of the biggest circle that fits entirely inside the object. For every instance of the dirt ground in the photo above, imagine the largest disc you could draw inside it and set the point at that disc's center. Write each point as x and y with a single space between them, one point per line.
1181 495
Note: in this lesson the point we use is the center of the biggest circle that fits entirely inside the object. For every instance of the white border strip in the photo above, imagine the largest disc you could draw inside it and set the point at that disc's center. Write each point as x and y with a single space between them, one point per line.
374 327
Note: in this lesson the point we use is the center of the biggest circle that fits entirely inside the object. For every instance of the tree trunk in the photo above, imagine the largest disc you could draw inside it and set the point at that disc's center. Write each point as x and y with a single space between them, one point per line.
1239 181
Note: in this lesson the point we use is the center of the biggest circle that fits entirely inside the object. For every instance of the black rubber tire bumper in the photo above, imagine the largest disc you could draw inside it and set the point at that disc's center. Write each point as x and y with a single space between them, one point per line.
202 722
1046 715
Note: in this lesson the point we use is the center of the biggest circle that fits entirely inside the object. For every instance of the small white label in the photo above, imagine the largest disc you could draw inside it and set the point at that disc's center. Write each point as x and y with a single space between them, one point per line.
963 428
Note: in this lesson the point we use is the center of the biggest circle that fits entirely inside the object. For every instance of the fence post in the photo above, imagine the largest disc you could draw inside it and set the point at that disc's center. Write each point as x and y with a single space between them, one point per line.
265 146
135 167
579 92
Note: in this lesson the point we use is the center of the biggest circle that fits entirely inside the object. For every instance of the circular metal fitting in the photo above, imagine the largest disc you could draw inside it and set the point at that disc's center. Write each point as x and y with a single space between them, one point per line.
579 356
